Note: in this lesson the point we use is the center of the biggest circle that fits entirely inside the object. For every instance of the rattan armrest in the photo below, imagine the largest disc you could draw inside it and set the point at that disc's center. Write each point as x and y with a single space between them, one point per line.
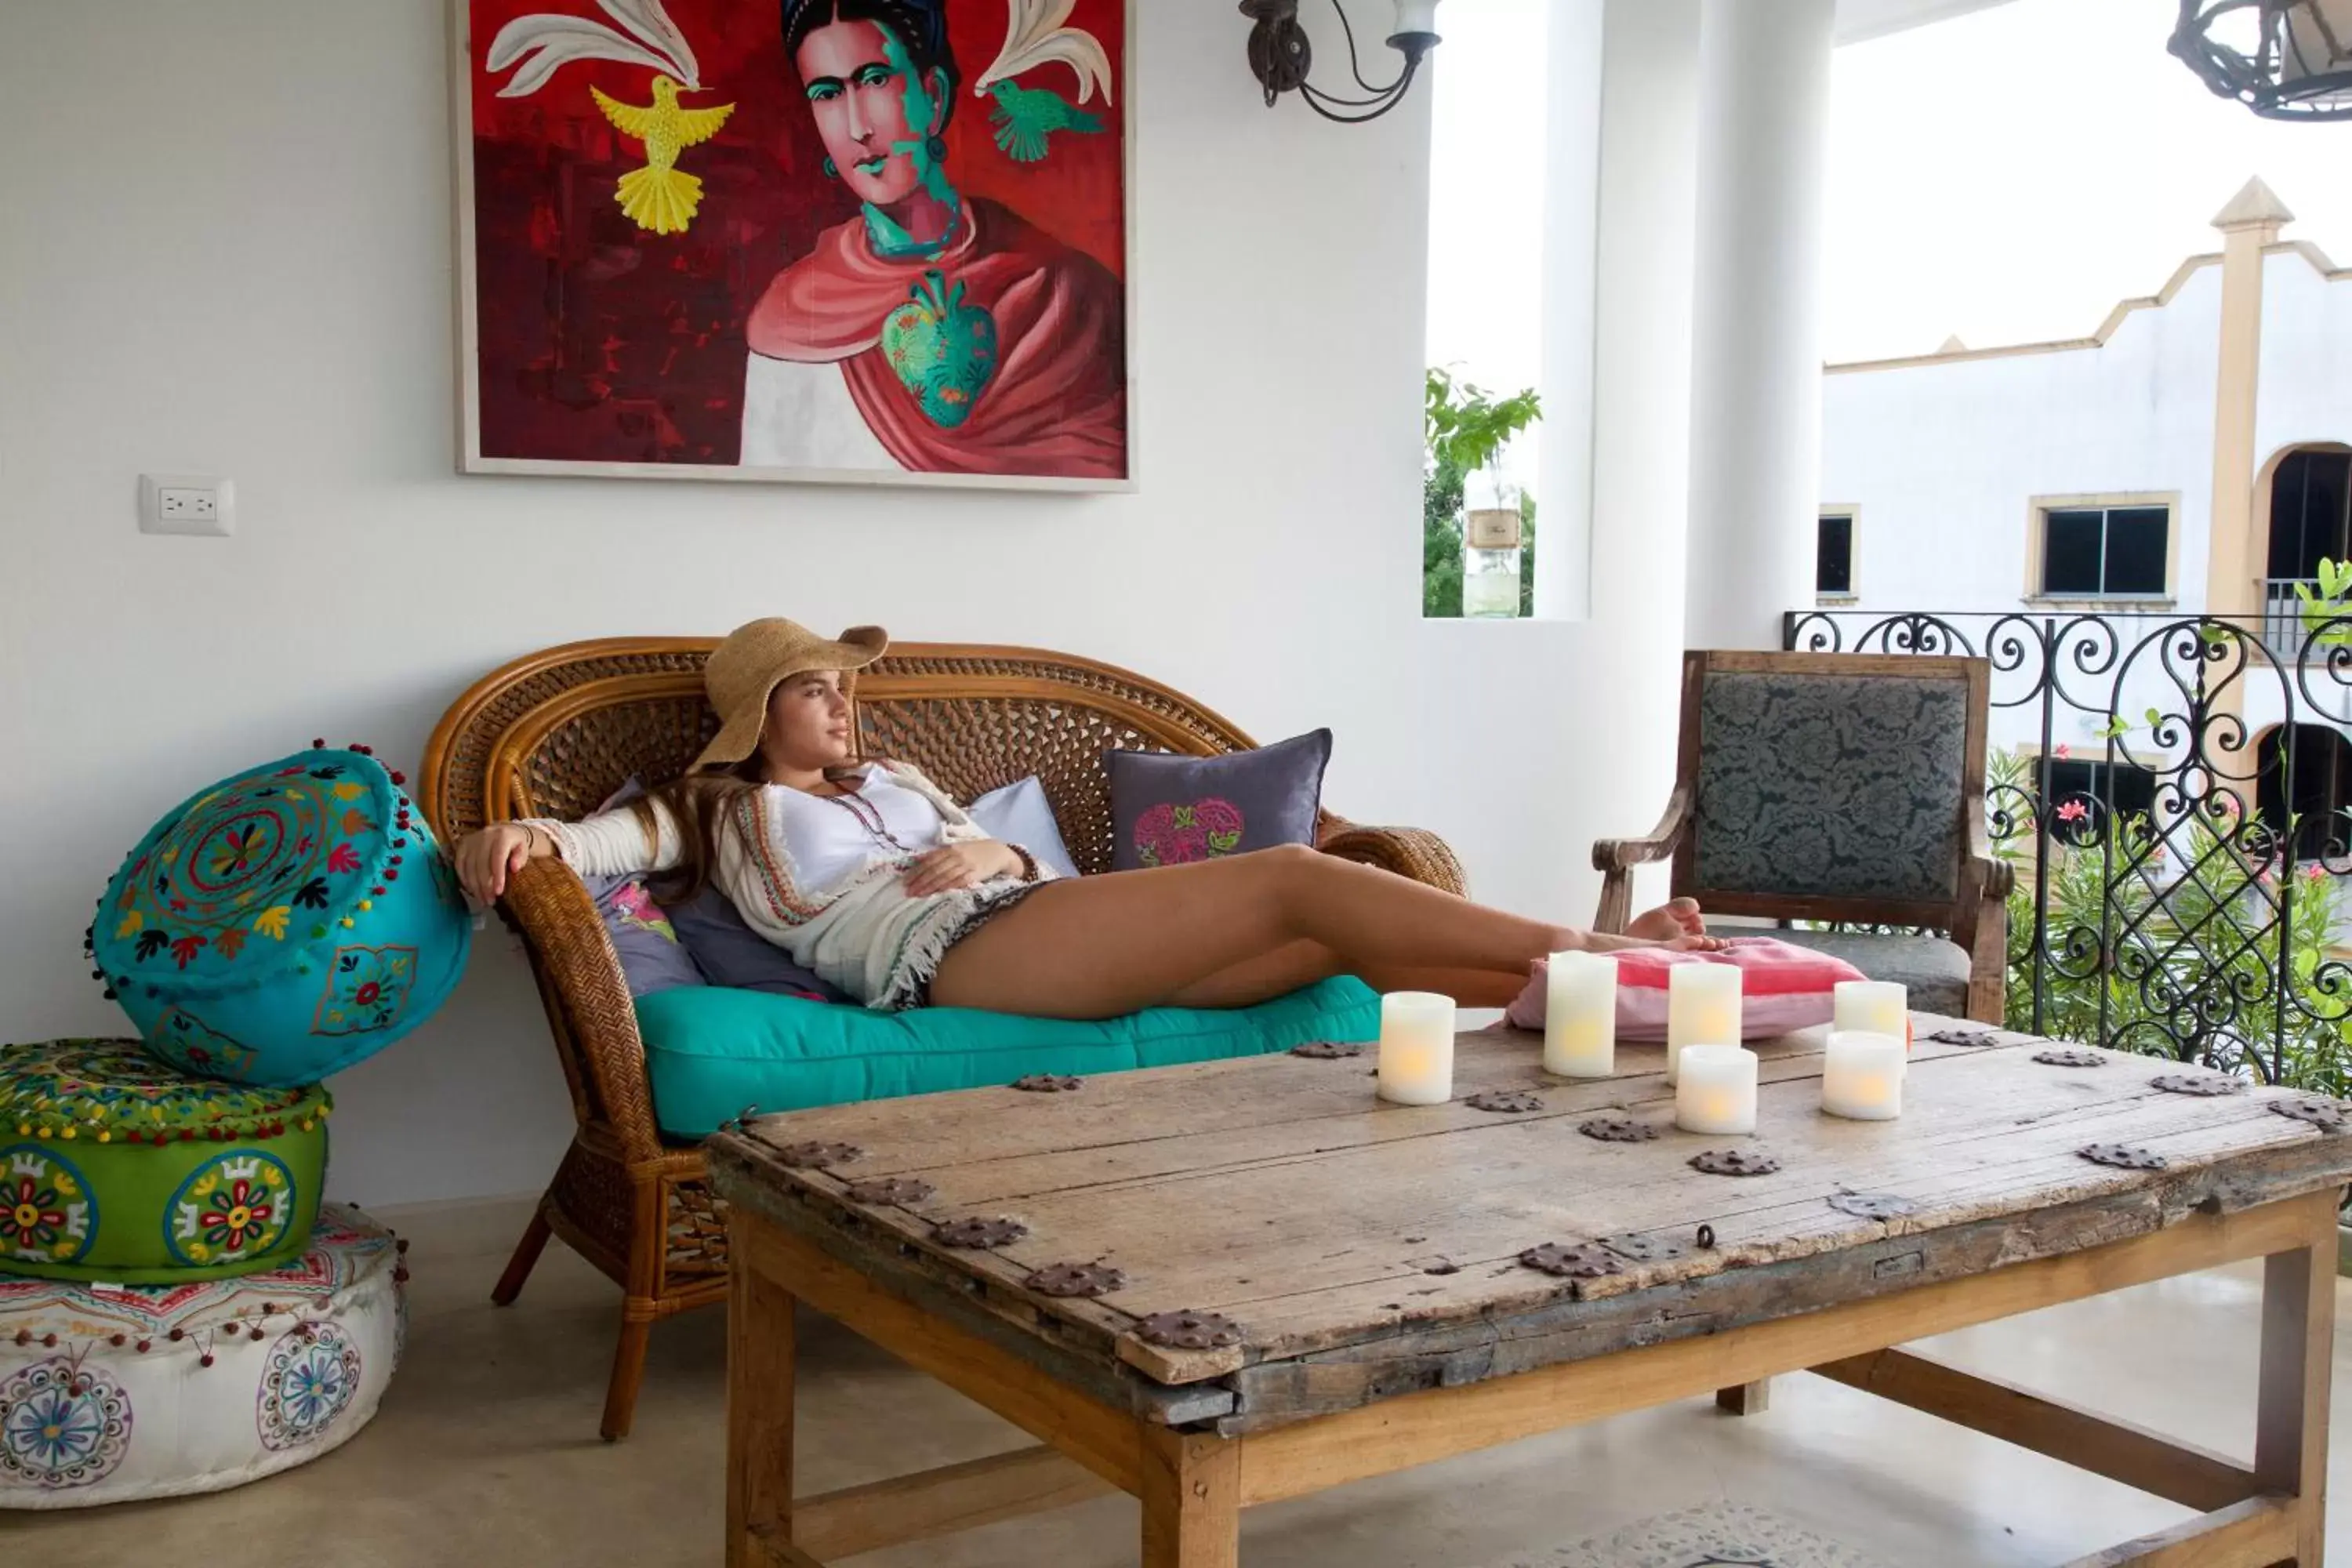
1408 851
577 968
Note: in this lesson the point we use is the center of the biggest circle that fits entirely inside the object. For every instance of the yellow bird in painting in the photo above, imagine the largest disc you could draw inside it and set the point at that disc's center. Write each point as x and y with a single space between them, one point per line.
661 196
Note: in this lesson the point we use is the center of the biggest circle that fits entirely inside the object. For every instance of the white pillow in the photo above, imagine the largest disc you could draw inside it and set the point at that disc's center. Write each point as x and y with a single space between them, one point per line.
1018 814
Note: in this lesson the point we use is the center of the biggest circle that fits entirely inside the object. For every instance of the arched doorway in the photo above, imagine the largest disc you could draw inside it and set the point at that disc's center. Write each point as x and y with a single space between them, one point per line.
2321 792
2305 502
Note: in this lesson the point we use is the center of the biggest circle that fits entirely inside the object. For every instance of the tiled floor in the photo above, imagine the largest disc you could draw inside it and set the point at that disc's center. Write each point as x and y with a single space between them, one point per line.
485 1452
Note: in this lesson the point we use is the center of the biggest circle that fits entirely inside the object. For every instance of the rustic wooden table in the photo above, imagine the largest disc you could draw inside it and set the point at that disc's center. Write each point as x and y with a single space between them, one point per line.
1370 1257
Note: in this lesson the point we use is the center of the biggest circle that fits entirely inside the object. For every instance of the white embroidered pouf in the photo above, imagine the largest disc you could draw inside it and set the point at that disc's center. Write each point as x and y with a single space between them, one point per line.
112 1393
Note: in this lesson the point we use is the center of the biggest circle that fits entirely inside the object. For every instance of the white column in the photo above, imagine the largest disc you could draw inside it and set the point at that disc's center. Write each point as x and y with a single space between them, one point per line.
1572 93
1756 365
1640 434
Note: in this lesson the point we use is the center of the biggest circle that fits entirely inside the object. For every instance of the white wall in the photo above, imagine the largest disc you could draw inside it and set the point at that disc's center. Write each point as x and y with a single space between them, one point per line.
231 255
2307 379
1941 461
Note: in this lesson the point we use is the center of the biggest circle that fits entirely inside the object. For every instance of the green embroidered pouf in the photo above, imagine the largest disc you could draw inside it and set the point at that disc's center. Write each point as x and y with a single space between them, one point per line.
283 923
115 1167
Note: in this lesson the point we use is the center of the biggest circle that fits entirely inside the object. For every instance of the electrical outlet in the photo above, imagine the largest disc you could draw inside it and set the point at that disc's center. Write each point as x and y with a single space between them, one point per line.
186 504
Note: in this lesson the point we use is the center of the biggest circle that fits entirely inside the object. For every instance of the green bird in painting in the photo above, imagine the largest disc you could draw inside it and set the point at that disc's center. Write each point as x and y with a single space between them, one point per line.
1027 116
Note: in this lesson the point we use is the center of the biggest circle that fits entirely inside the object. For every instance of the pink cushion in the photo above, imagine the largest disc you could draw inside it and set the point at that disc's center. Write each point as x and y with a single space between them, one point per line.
1782 987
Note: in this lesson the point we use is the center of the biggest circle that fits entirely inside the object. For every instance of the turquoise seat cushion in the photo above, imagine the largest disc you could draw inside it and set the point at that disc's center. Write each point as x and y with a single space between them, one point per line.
713 1051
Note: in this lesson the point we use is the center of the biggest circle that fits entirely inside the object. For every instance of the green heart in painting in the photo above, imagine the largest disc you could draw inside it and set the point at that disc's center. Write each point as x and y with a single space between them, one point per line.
944 348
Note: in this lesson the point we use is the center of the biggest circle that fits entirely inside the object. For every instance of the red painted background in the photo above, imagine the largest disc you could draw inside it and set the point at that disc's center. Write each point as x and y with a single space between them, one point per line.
602 343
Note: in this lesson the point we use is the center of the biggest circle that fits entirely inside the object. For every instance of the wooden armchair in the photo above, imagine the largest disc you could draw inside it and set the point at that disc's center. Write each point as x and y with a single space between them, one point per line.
1838 787
555 733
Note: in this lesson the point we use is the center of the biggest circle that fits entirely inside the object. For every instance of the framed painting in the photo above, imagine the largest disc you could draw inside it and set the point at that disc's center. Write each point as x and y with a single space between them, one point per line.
845 241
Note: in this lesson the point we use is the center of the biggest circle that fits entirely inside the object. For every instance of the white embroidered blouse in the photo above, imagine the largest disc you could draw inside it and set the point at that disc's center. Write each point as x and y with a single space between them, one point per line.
821 876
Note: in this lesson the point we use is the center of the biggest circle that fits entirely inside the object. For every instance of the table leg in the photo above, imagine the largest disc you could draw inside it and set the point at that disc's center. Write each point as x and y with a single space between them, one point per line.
2298 1340
1746 1398
760 1367
1191 1501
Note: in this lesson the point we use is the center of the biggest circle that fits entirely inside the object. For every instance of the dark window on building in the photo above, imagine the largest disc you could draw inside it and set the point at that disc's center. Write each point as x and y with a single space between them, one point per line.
2311 513
2104 552
2088 783
2322 773
1834 563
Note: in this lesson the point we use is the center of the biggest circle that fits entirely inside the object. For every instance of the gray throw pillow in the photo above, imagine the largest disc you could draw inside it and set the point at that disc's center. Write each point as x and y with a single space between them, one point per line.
643 936
1169 810
652 958
729 953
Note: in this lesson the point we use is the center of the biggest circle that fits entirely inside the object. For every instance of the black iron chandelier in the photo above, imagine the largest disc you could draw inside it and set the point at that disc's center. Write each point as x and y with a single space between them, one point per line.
1279 57
2286 60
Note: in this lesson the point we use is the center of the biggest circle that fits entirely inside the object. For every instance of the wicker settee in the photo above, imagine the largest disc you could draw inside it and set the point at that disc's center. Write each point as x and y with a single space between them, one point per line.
554 733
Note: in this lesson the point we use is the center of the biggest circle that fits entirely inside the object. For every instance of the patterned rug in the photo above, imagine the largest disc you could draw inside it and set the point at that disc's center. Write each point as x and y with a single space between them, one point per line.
1719 1533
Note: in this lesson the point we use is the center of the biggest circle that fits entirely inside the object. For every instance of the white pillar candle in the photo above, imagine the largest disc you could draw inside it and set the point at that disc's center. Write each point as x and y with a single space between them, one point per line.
1702 1009
1861 1077
1416 1047
1717 1090
1581 1015
1872 1007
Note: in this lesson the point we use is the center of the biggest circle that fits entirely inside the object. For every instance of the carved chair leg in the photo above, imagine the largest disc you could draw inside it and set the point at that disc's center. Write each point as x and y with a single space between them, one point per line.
628 1375
525 1258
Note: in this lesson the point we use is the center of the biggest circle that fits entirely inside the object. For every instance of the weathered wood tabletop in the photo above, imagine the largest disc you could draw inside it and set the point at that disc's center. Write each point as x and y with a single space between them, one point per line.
1367 1250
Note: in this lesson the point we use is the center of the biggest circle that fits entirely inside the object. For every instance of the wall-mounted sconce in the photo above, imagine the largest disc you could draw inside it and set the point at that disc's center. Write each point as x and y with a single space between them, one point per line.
1279 57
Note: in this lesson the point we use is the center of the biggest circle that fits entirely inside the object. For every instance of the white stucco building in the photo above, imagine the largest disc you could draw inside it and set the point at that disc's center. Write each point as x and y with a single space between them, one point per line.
2193 455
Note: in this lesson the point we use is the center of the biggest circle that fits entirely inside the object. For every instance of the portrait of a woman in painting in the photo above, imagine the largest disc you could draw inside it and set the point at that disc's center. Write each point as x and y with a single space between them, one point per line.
934 330
799 239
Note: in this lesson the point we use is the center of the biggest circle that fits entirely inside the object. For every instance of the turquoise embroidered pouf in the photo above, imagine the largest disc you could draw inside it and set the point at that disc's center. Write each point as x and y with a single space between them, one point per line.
283 924
115 1167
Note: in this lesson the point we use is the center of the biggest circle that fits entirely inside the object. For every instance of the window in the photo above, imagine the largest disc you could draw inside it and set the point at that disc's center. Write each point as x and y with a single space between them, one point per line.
2078 797
2311 513
2105 552
1834 557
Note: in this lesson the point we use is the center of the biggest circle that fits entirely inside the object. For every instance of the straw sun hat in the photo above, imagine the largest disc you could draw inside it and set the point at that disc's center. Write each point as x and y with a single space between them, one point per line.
744 670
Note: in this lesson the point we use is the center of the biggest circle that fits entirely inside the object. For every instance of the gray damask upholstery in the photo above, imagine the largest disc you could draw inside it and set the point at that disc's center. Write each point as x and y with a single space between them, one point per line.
1830 786
1933 970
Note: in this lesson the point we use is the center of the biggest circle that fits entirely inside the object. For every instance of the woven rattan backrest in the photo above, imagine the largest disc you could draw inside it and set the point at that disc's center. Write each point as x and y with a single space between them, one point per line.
555 733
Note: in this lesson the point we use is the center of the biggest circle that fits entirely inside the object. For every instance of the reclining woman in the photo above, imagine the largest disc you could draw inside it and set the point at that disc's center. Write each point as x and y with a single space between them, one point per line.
873 878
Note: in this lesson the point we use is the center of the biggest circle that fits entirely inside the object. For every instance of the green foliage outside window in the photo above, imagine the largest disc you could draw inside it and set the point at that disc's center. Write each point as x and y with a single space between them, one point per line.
1464 428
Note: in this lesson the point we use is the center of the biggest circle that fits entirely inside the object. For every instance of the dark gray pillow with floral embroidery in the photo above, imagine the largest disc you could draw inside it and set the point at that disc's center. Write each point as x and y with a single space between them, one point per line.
652 958
1167 810
729 953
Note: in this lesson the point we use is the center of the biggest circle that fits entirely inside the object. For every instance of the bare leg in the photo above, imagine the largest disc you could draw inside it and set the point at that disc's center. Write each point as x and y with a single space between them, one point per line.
1109 945
1302 964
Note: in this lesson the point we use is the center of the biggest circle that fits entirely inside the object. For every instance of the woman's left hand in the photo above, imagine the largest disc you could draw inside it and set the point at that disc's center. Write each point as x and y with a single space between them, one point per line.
959 866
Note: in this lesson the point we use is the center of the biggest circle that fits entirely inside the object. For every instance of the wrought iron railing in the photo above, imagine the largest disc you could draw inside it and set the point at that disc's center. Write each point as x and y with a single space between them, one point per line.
2176 895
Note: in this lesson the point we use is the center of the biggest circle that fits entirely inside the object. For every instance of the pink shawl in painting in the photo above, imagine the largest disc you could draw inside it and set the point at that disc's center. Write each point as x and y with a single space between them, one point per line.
1058 403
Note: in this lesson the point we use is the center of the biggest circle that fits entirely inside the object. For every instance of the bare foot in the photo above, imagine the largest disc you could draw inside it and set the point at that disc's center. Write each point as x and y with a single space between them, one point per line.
1669 921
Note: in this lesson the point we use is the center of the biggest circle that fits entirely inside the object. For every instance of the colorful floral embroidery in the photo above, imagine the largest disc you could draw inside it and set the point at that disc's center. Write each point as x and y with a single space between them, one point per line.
366 989
346 1247
312 1374
62 1425
48 1213
238 1205
189 1043
635 907
106 1090
1176 835
238 859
